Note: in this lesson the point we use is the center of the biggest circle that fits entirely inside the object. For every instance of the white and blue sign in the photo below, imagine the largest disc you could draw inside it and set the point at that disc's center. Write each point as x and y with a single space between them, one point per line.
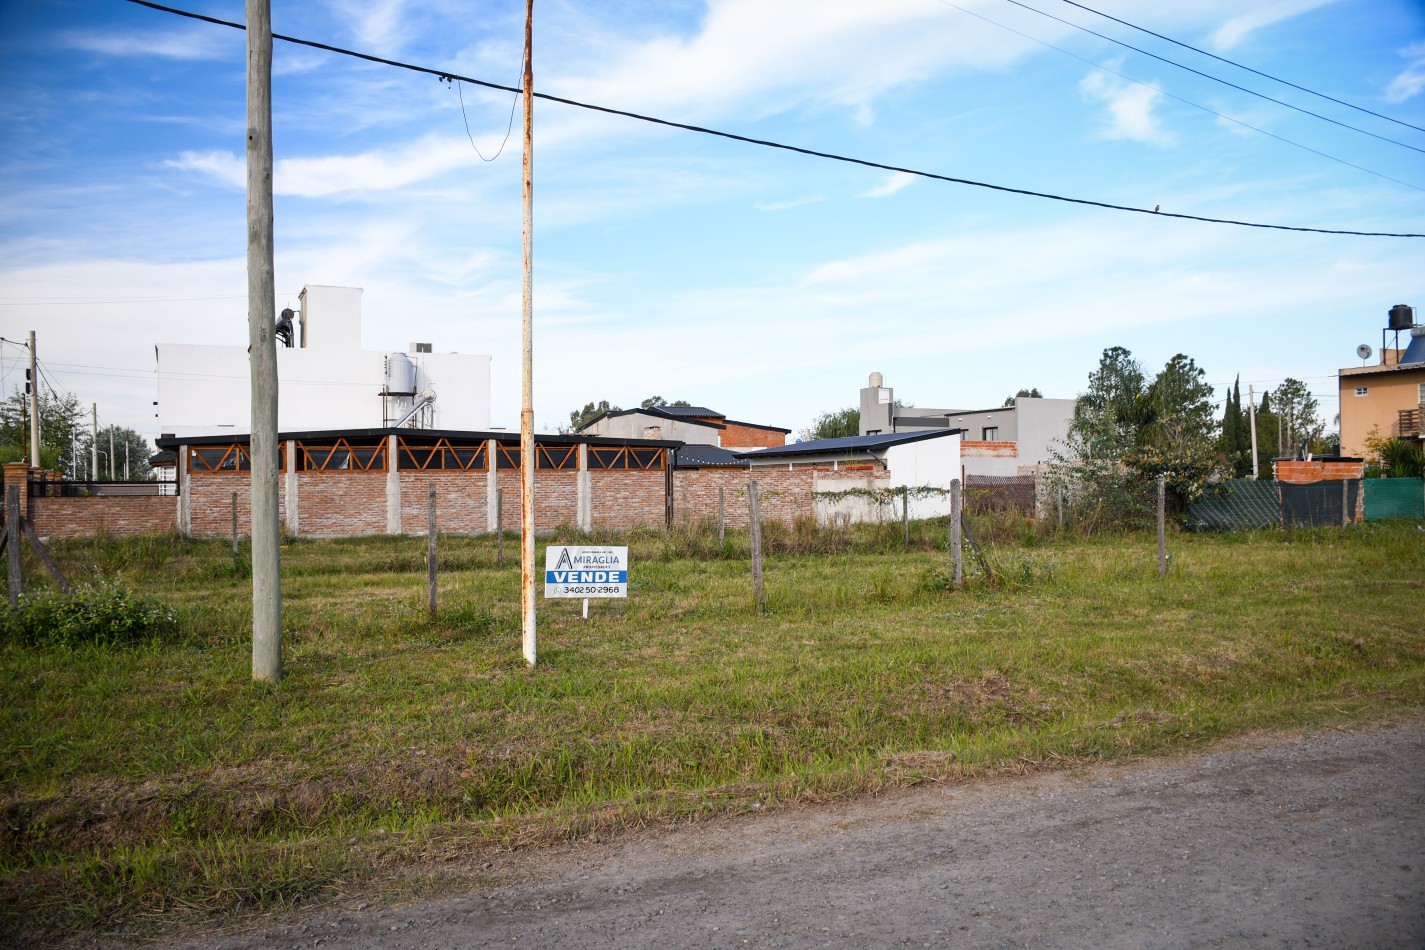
585 571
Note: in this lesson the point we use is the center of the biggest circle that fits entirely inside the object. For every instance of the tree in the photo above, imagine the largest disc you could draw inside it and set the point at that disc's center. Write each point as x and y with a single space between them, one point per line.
1175 438
128 446
658 402
61 423
1297 410
1107 415
582 417
1030 393
841 424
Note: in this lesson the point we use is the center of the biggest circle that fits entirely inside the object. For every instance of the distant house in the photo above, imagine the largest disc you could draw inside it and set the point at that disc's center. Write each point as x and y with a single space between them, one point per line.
1005 441
694 425
1387 397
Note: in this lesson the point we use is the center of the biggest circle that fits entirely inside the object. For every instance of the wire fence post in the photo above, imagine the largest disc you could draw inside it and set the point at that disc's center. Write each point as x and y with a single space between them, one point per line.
12 543
1162 520
956 552
721 518
1345 502
235 534
1059 496
430 550
755 533
499 527
905 517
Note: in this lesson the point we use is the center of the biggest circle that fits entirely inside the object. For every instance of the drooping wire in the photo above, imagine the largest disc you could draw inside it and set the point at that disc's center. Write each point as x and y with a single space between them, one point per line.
1164 92
510 128
767 143
1257 72
1217 79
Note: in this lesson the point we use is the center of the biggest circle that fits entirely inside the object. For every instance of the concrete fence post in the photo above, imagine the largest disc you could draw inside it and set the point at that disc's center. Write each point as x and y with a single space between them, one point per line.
956 551
755 537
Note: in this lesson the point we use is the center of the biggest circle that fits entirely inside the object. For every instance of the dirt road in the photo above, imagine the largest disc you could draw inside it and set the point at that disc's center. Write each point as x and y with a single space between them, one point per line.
1316 841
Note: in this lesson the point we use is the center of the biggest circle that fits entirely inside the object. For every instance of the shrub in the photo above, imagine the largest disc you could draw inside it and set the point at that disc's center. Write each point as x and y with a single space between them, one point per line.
106 614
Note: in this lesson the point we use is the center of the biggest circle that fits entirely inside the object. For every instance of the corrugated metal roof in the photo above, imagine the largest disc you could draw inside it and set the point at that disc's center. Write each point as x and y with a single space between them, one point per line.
855 443
701 412
693 455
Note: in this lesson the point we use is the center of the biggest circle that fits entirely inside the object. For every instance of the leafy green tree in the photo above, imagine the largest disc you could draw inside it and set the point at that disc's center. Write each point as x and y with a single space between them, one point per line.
1297 409
1109 413
591 411
61 424
658 402
1176 431
840 424
129 446
1031 393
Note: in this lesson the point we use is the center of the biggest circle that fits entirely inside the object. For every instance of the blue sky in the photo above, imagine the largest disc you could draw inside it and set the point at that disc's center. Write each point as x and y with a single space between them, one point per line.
763 284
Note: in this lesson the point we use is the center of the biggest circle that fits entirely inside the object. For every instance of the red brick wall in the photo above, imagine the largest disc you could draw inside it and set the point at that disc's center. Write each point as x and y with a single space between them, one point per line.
782 495
459 502
979 448
120 517
746 437
210 504
623 499
1304 473
338 504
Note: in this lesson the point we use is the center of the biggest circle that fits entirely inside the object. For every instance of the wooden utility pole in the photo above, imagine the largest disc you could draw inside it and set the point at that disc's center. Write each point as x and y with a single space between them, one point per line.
262 349
1252 398
527 459
34 405
754 536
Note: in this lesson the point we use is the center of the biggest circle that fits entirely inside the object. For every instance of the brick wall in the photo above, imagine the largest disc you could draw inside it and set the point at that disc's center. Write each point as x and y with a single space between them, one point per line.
624 499
210 504
747 437
980 448
460 502
120 517
782 495
338 504
1304 473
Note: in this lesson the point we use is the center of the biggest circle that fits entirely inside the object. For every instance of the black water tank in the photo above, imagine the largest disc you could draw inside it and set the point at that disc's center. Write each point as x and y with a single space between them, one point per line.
1402 317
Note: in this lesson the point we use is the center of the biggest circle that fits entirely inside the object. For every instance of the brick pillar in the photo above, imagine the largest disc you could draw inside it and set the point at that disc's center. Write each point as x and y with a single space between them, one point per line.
18 473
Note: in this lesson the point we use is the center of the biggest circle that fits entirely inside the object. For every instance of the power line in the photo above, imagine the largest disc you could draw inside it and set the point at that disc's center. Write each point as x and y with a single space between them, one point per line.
1217 79
766 143
1257 72
1164 92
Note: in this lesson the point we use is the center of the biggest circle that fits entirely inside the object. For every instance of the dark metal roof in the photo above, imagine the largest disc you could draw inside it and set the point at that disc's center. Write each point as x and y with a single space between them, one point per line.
419 435
694 455
694 411
849 444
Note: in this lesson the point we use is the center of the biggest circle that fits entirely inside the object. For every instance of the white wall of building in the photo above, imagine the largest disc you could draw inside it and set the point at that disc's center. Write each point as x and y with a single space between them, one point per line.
928 462
330 383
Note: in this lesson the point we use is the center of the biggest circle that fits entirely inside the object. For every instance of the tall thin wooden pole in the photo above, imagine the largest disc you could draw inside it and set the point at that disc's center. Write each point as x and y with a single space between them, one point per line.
34 405
527 459
262 348
12 543
755 537
1162 525
957 557
431 559
1252 398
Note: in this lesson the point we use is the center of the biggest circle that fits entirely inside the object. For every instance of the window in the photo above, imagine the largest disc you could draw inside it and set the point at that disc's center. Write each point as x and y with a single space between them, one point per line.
341 456
442 456
989 433
219 458
556 456
626 458
1361 390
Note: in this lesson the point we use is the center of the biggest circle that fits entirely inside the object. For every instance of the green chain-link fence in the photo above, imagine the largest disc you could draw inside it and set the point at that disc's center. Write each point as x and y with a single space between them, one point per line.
1242 504
1394 498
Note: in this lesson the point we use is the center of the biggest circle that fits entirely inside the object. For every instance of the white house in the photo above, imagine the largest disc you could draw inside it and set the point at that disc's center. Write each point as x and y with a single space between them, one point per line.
325 379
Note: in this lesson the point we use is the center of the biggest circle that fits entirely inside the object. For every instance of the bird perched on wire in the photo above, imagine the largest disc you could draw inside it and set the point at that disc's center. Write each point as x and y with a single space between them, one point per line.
1155 208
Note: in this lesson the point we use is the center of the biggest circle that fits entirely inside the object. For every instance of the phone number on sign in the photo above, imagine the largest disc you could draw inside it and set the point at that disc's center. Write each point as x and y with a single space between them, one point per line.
589 590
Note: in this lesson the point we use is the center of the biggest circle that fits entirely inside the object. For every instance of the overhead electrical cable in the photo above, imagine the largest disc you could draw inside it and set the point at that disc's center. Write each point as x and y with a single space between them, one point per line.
1257 72
1164 92
1217 79
766 143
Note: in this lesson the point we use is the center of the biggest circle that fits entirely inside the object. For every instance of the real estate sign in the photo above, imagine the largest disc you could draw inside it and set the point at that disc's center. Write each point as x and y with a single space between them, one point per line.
585 571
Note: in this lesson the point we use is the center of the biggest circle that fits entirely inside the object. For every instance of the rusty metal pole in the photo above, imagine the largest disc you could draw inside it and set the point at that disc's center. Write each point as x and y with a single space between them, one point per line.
527 459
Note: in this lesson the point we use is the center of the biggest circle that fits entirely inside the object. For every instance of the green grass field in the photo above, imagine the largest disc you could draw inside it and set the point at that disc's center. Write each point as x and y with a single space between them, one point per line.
156 784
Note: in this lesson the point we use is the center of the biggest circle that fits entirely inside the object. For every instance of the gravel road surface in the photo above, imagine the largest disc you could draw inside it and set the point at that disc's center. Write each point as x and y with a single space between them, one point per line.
1275 841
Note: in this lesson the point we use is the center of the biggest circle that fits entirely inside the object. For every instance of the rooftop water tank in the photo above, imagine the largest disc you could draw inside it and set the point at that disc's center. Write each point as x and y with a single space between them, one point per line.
1402 317
400 375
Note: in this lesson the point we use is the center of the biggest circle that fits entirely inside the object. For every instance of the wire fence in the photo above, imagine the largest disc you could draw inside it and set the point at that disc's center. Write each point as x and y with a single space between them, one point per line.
1243 505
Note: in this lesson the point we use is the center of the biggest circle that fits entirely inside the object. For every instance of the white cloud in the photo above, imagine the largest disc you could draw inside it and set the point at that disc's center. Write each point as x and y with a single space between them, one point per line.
1412 79
191 43
1130 109
1238 28
788 203
376 24
894 182
379 170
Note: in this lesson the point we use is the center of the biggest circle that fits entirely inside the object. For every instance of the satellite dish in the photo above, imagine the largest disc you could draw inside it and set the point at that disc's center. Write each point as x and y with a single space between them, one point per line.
1364 351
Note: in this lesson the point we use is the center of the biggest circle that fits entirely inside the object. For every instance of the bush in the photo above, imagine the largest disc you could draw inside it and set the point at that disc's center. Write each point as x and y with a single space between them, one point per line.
103 615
